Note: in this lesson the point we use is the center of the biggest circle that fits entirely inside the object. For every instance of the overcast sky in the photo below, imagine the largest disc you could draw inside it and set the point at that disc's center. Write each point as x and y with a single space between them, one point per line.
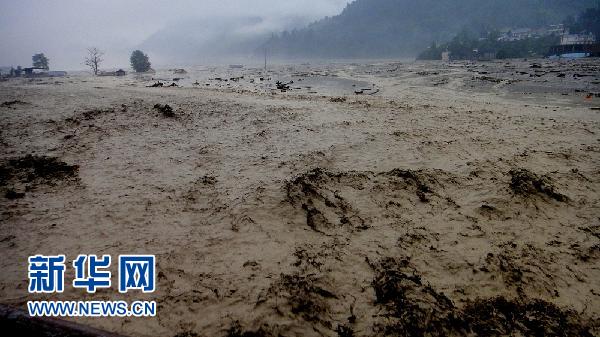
63 29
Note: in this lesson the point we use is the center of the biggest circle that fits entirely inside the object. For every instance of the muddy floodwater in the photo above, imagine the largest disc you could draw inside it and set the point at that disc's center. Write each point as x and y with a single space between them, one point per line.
364 199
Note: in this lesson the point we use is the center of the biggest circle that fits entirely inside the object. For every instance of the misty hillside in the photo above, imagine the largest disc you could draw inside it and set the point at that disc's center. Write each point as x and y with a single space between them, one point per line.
215 39
381 28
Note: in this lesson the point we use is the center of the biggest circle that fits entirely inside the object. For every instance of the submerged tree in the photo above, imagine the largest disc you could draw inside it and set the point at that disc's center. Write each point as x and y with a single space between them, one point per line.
94 59
139 61
40 61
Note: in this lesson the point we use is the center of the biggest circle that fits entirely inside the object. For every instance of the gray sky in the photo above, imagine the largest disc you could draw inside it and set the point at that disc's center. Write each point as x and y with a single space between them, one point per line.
63 29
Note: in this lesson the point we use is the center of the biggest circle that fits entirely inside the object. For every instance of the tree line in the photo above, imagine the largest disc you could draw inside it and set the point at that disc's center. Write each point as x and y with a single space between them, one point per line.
462 46
586 22
392 28
139 61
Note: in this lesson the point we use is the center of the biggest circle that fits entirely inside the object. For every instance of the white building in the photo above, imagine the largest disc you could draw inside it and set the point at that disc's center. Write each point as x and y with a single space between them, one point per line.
568 39
516 34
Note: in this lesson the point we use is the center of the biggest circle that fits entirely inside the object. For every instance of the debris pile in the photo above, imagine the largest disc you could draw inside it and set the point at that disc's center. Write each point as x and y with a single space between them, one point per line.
166 110
33 167
304 296
158 84
283 86
9 104
526 183
416 309
32 170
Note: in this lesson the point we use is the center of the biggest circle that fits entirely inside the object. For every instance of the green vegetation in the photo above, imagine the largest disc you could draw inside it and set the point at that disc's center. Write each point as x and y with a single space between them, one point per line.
587 22
40 61
464 44
392 28
139 61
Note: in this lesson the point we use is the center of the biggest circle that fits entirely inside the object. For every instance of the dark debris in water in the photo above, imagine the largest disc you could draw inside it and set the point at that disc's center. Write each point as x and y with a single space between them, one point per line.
33 167
304 295
319 193
166 110
12 194
94 113
344 331
236 330
417 179
10 104
310 191
338 99
32 170
499 316
415 308
526 183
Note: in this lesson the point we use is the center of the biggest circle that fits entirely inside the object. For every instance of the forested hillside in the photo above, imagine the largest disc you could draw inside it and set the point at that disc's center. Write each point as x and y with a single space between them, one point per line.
382 28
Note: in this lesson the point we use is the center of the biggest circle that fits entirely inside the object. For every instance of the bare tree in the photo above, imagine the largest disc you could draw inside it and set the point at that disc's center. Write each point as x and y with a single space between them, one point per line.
94 59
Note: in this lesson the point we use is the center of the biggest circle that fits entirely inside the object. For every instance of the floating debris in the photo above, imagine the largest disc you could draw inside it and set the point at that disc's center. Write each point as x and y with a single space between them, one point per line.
166 110
526 183
156 85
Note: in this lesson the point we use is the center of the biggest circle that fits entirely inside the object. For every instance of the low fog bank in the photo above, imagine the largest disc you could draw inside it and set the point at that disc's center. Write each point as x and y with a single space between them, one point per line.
182 32
217 40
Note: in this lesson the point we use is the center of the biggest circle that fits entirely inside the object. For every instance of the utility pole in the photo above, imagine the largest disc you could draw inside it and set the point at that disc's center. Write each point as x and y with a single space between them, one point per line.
265 59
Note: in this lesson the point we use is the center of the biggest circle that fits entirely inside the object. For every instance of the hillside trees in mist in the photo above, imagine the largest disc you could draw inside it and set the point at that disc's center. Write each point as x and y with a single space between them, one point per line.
586 22
462 46
391 28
